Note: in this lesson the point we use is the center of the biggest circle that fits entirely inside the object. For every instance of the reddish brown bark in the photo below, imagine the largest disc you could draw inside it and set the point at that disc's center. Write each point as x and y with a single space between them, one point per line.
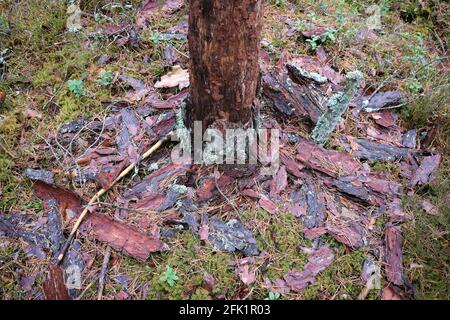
224 39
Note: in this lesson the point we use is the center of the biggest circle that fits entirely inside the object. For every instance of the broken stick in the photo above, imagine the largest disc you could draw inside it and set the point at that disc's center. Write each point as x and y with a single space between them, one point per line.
101 279
101 192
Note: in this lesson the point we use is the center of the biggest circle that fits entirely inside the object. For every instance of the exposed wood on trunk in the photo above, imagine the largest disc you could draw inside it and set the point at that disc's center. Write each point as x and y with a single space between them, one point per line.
224 39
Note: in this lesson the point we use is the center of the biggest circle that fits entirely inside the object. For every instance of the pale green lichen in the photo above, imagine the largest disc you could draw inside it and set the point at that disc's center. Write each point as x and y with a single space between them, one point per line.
179 188
337 105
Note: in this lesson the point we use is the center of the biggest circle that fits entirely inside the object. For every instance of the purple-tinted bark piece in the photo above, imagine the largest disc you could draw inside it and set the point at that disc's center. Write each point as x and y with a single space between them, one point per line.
394 255
384 99
318 261
425 170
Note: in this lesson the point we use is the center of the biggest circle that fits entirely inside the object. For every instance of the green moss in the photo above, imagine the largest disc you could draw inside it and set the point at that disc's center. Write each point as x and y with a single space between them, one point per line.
340 279
385 167
281 236
10 287
190 260
426 240
73 107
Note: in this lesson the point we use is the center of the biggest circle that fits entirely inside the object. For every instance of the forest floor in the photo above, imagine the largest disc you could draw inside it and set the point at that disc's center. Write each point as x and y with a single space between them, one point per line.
63 95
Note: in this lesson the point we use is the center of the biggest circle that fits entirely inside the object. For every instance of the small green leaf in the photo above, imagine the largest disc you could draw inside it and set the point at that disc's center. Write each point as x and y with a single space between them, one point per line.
156 37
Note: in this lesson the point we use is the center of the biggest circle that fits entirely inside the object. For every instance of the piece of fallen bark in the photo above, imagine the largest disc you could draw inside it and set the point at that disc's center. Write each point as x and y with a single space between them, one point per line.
41 175
121 237
383 100
154 9
170 56
171 102
409 139
426 169
394 255
351 233
315 210
267 205
177 77
314 233
337 105
318 261
330 162
12 227
312 65
279 181
289 97
118 235
139 87
231 236
369 150
54 226
385 118
54 285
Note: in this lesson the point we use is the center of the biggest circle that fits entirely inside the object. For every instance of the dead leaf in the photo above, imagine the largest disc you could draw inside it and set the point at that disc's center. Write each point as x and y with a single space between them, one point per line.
152 9
268 205
388 293
204 232
245 274
32 114
177 77
429 208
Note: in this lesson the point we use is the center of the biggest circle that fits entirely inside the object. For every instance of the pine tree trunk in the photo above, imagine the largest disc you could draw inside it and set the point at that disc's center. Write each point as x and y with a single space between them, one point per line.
224 39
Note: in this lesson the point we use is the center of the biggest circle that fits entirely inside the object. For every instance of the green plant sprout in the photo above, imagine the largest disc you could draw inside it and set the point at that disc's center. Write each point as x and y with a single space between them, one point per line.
169 276
273 296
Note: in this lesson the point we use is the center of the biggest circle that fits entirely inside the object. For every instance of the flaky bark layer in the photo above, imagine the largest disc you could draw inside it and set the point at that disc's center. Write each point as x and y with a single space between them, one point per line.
224 39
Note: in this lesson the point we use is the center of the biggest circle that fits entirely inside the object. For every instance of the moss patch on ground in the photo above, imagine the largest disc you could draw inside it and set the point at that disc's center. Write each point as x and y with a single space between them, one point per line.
43 57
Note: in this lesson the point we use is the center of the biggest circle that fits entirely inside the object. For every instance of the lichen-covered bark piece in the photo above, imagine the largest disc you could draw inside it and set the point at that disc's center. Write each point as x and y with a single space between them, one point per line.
224 38
337 106
232 236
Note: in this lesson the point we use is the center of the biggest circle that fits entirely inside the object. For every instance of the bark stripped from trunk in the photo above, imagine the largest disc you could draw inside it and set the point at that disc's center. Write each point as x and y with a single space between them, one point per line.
224 39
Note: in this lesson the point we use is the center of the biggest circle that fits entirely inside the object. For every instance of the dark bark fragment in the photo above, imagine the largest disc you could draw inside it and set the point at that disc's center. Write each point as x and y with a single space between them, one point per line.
369 150
409 139
41 175
383 100
315 208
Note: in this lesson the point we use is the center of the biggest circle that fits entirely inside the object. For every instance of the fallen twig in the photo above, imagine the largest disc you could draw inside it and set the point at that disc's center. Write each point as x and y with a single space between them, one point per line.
101 192
101 279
